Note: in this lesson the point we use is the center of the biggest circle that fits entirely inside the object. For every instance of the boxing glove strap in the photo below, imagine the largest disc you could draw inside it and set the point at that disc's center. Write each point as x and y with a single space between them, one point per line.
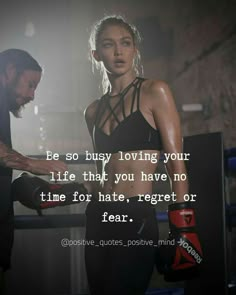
181 216
180 205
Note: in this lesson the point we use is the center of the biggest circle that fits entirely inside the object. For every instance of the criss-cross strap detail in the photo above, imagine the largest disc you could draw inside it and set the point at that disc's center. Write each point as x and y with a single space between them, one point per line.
120 124
138 93
105 104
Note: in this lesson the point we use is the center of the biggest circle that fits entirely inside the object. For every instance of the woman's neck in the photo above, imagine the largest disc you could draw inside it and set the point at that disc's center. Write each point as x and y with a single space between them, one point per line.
119 83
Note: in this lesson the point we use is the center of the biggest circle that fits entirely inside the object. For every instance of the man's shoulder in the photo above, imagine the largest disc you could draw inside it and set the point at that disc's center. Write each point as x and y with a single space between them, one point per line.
2 97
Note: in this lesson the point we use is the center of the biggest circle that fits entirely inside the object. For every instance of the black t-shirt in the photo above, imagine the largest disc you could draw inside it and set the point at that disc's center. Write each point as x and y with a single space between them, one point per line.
5 173
6 203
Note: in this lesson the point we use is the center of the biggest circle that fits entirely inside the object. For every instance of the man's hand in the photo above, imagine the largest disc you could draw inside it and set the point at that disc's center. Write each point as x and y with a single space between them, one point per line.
44 167
12 159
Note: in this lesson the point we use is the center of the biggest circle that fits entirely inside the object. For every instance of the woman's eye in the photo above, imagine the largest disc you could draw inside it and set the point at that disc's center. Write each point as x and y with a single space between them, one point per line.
126 43
106 45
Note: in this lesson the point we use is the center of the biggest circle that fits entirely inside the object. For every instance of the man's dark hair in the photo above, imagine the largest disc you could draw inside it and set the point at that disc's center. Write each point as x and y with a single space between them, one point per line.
21 59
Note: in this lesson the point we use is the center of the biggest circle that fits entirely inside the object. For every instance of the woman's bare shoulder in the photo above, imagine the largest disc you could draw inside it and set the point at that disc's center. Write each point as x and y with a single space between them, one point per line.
154 86
90 111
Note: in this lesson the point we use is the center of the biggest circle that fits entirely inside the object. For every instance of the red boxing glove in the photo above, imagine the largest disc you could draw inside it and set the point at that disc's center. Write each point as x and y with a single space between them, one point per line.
181 257
28 191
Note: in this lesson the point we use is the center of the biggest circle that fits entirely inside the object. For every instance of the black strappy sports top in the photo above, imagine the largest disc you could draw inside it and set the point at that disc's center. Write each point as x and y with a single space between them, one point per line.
132 131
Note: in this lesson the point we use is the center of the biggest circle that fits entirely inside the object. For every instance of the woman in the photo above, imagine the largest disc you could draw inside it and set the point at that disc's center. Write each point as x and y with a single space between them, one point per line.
134 118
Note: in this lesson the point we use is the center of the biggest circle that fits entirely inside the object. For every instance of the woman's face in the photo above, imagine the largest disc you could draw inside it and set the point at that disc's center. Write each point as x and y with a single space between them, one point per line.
116 50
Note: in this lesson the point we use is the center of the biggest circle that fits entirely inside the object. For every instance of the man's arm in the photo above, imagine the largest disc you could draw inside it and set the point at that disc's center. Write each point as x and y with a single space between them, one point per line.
12 159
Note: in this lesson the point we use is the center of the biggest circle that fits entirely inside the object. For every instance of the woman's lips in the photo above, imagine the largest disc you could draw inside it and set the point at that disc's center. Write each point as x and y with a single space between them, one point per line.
119 62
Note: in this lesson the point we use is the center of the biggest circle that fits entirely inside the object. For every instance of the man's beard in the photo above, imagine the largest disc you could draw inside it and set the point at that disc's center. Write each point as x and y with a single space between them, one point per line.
13 106
17 112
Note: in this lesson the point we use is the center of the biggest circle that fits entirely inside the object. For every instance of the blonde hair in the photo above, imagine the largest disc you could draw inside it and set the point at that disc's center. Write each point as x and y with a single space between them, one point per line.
96 32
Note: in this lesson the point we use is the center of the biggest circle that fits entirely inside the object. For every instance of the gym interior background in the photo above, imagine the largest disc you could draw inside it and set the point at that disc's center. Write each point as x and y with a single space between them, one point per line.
190 44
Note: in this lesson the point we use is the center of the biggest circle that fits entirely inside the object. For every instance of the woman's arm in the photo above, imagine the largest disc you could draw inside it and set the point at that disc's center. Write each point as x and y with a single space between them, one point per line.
168 122
185 263
90 116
